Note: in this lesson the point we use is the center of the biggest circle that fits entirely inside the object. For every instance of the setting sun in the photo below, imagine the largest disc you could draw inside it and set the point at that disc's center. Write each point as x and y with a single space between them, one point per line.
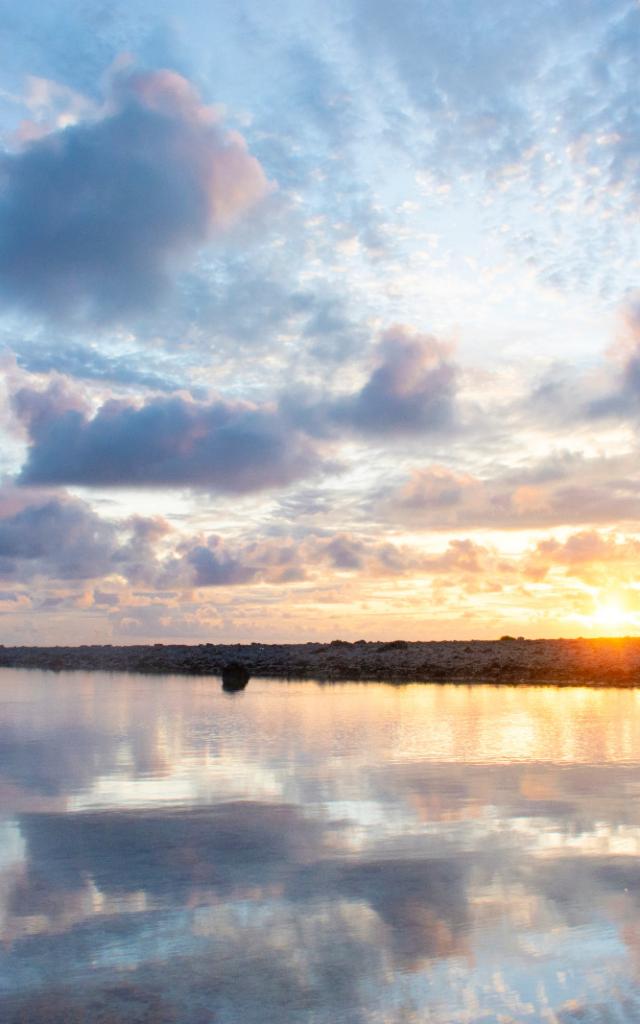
611 616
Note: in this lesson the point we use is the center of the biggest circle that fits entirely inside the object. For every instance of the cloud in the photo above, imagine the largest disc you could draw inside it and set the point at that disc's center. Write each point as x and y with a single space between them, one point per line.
411 390
61 538
38 409
138 557
95 217
215 562
58 539
74 43
345 552
620 399
604 559
212 561
563 488
213 566
435 487
149 555
566 395
229 447
350 553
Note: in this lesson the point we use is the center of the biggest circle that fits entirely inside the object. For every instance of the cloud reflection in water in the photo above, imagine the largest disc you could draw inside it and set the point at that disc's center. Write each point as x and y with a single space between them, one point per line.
310 853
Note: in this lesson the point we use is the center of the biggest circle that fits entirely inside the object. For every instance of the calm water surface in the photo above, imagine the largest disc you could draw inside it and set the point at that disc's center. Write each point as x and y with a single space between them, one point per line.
171 854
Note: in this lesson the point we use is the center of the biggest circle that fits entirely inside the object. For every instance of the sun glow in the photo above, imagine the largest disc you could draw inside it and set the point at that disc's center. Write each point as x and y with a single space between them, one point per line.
611 616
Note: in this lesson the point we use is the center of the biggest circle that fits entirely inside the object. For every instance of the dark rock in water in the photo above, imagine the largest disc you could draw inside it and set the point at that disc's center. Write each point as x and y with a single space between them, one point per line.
235 676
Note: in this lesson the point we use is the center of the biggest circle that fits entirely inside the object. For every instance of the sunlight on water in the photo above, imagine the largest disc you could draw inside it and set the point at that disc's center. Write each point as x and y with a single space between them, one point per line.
306 853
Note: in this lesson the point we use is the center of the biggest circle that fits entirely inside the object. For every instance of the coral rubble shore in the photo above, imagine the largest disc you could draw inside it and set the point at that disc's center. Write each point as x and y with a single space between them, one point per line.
600 662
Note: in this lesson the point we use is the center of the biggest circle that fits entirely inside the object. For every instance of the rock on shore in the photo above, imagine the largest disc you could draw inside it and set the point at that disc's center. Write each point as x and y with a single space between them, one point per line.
604 662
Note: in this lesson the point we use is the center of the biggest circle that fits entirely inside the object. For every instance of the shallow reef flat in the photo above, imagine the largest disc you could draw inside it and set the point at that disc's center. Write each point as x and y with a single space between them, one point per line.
596 662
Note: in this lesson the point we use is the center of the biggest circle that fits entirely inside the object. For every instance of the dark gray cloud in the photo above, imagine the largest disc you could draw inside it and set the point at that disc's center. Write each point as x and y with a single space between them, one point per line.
213 566
39 409
96 217
411 390
231 447
346 552
61 539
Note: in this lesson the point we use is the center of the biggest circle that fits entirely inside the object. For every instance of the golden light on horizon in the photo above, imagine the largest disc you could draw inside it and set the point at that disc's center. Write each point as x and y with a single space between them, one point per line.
612 615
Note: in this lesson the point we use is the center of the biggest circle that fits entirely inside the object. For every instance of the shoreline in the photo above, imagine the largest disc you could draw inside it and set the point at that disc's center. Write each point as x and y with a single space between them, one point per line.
594 662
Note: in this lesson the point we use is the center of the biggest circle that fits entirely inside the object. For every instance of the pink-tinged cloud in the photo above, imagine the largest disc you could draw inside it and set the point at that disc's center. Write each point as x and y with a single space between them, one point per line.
565 489
620 400
96 217
411 389
214 562
233 446
224 446
58 538
591 555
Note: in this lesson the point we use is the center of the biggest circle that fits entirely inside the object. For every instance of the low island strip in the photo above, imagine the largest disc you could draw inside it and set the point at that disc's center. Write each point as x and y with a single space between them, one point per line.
594 662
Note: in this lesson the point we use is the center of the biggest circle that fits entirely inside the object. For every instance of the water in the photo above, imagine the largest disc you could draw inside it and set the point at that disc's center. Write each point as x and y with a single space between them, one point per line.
170 854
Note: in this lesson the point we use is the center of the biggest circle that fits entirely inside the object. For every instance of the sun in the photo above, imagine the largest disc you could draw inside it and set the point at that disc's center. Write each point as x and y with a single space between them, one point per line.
613 612
611 616
609 613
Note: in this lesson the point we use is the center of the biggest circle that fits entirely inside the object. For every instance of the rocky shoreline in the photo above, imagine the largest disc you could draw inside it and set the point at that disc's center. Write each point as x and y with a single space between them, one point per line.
600 662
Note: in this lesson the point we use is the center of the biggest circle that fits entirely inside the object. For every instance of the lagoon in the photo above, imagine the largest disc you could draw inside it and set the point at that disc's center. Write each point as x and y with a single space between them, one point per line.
358 852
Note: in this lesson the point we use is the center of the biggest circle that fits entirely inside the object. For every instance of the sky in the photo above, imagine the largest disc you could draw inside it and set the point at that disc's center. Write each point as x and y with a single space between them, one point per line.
319 319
